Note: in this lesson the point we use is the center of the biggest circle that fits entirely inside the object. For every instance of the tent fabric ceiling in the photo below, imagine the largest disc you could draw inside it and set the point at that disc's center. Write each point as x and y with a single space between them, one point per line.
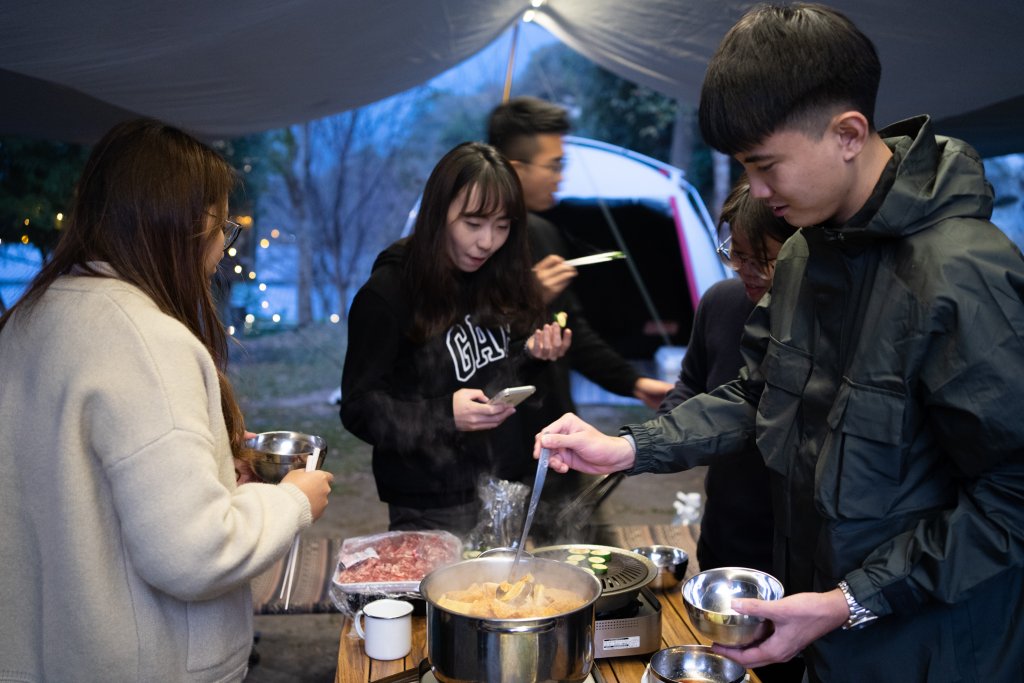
69 69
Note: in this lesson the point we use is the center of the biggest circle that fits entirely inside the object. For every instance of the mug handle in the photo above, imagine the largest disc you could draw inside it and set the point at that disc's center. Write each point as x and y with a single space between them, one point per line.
357 622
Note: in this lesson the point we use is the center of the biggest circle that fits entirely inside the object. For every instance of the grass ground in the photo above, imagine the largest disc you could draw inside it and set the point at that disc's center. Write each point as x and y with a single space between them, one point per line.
284 381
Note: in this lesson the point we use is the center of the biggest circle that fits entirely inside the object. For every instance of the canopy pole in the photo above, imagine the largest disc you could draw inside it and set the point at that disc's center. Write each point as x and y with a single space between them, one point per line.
511 62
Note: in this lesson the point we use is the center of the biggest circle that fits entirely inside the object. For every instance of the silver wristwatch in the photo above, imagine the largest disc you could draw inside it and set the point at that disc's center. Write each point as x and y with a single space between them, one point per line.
860 616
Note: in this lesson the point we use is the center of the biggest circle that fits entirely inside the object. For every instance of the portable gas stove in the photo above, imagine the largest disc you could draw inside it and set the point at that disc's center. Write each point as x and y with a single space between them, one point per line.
628 620
631 630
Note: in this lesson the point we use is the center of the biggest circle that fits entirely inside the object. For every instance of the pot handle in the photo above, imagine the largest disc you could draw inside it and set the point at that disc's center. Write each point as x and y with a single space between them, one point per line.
503 552
540 627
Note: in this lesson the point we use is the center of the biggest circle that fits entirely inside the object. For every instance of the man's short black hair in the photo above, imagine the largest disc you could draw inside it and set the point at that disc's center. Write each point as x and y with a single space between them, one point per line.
781 67
513 126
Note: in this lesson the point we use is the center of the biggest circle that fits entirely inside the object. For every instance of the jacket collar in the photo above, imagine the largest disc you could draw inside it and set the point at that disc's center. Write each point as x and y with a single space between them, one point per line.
934 178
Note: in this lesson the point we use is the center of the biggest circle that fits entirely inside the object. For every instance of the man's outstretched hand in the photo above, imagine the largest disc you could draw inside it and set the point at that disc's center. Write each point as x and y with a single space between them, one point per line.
576 445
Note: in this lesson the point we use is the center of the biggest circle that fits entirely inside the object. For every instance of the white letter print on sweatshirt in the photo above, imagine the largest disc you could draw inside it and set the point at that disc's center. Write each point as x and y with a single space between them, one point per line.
473 347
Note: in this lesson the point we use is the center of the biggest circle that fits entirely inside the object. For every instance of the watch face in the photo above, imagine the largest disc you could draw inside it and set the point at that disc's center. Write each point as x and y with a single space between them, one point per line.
859 620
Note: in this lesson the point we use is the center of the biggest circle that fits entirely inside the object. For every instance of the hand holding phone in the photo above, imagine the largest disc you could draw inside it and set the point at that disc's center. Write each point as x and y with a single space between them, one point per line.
512 396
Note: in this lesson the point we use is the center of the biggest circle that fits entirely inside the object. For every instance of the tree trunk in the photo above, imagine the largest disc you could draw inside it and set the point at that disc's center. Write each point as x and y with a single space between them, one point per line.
681 151
304 243
304 275
341 287
723 182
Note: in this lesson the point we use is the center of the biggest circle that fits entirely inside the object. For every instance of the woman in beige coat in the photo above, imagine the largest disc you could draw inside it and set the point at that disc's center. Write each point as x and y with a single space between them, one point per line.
128 547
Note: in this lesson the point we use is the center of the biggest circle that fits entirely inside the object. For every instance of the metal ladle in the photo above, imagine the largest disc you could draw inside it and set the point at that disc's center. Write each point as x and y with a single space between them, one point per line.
538 484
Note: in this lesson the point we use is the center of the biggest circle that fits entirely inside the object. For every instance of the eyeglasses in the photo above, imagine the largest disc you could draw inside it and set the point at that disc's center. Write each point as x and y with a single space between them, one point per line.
555 167
735 261
231 231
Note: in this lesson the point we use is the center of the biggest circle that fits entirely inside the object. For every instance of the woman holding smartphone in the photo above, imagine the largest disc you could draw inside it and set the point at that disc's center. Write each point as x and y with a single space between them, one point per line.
449 317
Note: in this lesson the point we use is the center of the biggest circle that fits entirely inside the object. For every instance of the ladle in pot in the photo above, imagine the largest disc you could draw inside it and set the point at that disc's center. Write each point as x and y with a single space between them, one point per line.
538 484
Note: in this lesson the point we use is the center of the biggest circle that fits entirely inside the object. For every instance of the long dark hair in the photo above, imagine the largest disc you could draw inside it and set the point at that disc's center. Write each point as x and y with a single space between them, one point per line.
141 206
505 289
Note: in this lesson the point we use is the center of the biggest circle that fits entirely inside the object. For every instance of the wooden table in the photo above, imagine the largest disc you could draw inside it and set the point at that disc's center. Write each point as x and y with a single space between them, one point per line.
355 667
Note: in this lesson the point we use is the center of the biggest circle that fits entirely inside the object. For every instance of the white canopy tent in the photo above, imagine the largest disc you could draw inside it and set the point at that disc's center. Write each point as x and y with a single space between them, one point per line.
69 69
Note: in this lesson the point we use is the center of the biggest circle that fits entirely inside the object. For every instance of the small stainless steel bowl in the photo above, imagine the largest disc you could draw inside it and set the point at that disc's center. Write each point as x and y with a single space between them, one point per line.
278 453
708 597
670 561
695 663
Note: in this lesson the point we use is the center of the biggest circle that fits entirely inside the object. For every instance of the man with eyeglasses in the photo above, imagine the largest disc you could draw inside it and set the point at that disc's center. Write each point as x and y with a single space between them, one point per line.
528 131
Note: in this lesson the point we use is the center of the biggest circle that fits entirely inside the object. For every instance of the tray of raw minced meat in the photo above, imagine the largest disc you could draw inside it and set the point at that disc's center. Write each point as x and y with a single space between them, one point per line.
389 564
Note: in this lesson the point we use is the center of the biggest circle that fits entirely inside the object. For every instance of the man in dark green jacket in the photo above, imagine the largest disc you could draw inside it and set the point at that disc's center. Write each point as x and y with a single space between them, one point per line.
883 372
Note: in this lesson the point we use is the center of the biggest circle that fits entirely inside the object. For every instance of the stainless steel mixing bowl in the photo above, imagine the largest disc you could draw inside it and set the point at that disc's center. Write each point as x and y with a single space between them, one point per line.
670 561
278 453
708 597
694 663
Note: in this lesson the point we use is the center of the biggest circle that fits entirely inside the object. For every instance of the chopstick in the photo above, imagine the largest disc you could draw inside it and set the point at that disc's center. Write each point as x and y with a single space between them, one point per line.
289 571
313 460
289 568
595 258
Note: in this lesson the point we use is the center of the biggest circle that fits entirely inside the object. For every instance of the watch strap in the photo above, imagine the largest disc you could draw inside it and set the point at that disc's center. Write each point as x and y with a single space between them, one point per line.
860 616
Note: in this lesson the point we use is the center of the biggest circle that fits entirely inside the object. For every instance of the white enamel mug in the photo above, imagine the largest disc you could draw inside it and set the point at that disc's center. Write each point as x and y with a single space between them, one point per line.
388 631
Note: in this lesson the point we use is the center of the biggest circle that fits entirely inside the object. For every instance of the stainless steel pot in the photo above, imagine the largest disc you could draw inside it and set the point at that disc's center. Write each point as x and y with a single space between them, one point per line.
465 649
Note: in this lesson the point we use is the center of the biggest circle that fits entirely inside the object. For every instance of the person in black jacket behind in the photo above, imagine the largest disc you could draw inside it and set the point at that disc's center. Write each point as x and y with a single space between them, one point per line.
437 329
736 529
528 131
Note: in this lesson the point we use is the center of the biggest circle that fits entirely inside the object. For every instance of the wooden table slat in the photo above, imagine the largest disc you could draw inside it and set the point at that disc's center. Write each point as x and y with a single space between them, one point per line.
623 669
351 656
674 601
674 630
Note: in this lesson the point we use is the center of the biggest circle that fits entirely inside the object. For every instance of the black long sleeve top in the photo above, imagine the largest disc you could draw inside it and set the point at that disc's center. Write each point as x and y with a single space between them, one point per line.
397 396
736 529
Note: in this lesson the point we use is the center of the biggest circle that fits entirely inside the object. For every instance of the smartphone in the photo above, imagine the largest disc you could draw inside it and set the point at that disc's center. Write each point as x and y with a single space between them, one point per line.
512 396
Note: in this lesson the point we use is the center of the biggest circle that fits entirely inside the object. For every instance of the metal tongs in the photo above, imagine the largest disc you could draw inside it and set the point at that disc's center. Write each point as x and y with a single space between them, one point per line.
538 484
583 505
